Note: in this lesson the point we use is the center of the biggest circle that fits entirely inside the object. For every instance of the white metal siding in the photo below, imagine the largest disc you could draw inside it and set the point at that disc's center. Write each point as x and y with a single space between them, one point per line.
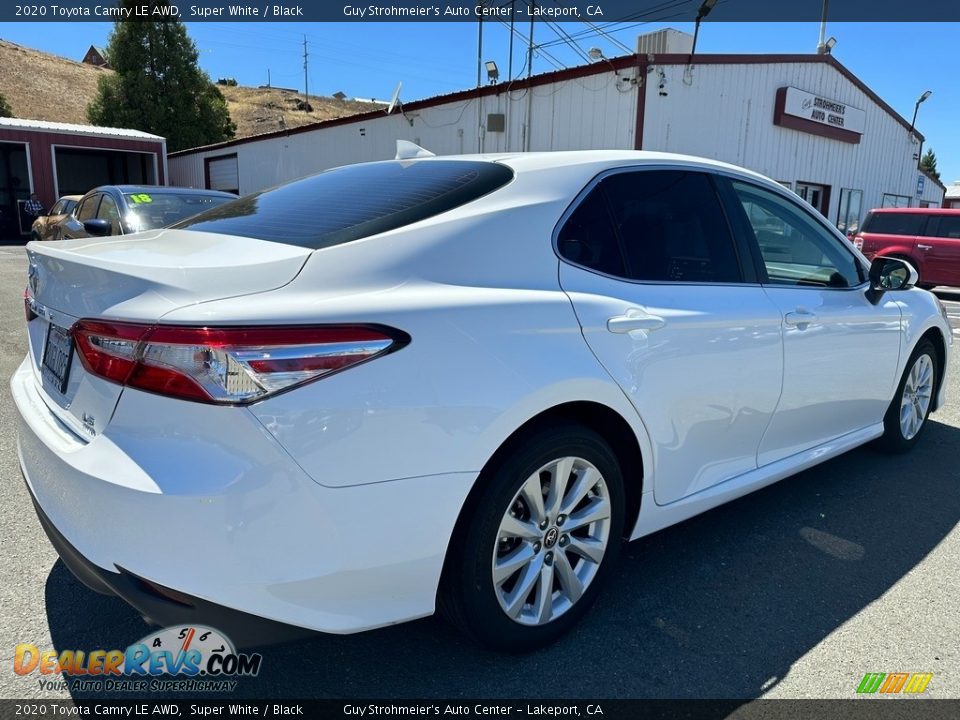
594 112
717 111
725 112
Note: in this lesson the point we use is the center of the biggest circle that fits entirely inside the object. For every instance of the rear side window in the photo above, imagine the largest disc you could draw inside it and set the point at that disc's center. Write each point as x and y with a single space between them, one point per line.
353 202
588 237
944 226
666 226
894 223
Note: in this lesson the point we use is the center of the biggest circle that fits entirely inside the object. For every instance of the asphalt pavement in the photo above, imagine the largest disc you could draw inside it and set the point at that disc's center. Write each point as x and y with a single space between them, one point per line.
795 591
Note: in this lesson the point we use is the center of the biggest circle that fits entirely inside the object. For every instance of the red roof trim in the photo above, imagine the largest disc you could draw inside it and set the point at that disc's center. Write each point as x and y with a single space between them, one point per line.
620 63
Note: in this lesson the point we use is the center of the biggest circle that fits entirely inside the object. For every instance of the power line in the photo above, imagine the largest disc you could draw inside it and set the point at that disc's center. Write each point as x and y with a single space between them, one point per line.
568 40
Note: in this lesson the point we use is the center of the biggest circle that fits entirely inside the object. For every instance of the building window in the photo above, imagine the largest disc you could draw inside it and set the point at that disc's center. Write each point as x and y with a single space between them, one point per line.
848 214
817 195
895 201
786 183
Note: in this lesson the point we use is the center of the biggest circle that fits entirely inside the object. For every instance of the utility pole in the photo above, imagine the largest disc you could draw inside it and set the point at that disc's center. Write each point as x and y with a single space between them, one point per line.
822 45
306 89
529 129
479 44
513 6
268 78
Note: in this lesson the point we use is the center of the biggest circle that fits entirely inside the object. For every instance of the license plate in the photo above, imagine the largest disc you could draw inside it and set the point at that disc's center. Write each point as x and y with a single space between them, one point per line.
57 353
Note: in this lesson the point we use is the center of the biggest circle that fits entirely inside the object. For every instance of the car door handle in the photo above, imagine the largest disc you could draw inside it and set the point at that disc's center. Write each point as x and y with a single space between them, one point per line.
924 247
635 319
800 318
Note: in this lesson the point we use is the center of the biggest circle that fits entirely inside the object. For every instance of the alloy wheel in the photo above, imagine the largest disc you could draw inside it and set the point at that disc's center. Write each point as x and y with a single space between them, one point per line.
917 393
551 541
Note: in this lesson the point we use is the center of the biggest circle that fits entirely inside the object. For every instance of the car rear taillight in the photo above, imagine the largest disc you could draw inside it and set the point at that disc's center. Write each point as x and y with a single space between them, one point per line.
227 365
858 242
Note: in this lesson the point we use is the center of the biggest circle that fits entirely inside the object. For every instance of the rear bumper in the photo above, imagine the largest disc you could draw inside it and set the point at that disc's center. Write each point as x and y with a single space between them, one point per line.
157 605
202 500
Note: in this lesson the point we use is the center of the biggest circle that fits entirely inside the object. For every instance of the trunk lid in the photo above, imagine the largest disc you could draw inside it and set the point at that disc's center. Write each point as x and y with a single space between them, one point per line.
139 278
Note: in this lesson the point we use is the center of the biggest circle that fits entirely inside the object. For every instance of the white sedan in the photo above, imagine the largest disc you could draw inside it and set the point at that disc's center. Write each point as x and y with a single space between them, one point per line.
448 382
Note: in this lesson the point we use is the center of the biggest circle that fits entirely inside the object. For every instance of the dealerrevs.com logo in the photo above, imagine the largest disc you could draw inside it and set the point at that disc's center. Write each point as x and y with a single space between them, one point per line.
186 659
894 683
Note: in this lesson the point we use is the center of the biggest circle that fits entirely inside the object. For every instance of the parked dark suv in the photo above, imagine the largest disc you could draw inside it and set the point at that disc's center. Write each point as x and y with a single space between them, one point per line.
927 238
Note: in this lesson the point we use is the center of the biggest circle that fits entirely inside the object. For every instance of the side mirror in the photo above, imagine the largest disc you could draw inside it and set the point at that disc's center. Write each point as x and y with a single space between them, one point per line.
98 227
887 274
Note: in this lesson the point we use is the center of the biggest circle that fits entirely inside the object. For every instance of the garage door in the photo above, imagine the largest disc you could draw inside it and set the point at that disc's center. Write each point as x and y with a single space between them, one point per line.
222 174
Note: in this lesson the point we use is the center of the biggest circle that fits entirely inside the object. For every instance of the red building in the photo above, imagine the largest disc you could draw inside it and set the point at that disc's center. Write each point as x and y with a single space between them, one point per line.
54 159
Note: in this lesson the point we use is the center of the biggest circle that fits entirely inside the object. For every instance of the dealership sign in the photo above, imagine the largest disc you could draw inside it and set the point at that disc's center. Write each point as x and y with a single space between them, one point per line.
818 115
825 111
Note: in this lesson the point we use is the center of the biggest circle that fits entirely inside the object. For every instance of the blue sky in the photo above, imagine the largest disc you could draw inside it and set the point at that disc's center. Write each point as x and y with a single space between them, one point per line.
897 60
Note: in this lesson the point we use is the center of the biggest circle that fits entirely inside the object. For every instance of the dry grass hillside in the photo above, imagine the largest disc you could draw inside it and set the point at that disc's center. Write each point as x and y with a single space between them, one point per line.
40 86
259 110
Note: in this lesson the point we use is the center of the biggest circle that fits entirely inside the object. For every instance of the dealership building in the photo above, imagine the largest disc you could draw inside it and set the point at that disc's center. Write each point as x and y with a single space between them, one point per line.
803 120
54 159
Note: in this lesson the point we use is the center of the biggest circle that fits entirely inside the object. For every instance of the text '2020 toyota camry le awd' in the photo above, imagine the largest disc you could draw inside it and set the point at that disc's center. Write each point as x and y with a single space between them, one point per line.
455 382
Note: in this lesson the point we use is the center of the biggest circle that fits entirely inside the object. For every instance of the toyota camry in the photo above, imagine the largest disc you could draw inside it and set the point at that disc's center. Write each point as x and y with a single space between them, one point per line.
456 383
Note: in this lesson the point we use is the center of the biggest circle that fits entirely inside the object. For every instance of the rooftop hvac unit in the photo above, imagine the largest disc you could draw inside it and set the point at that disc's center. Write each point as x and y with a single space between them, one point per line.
668 41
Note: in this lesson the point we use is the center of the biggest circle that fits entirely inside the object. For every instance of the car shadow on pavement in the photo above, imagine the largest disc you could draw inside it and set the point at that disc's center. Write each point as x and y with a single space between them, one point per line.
719 606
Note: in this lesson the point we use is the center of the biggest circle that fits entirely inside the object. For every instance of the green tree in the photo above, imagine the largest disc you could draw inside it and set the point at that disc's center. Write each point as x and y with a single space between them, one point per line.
5 110
157 86
928 163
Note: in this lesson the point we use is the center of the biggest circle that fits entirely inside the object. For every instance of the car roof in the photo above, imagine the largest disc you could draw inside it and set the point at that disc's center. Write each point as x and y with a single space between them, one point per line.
160 189
917 211
602 159
69 197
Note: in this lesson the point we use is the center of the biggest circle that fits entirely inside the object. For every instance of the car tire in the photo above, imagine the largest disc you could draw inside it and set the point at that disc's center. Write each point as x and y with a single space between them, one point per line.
907 415
507 548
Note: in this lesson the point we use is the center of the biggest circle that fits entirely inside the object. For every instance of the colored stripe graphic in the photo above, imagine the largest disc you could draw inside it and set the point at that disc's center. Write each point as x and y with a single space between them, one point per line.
871 682
918 682
894 682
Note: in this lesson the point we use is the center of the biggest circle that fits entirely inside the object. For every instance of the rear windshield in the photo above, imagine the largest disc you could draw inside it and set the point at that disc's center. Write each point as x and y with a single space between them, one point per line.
353 202
894 223
153 210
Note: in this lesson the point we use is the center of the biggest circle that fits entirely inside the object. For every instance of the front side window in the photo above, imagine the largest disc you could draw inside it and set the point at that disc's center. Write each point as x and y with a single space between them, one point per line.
88 208
108 211
796 249
653 225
